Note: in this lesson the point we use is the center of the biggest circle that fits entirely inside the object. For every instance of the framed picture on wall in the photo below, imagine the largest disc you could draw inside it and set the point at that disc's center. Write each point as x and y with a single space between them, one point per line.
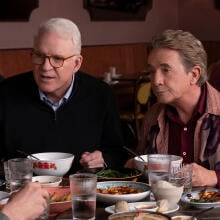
17 10
118 10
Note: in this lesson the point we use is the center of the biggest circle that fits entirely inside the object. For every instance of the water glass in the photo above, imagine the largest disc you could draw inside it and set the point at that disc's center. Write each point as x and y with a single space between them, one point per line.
83 191
158 167
21 172
182 176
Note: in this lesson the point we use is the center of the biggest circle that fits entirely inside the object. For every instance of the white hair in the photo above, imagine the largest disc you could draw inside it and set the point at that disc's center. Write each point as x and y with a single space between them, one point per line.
64 28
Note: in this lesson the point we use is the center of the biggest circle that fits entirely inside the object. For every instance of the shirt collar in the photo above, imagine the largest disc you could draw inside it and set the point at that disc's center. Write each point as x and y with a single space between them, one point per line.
64 98
200 108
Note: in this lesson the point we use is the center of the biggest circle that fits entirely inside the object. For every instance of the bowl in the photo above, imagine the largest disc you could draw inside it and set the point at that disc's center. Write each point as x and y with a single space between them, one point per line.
164 190
113 191
143 166
107 174
52 163
144 214
47 180
60 199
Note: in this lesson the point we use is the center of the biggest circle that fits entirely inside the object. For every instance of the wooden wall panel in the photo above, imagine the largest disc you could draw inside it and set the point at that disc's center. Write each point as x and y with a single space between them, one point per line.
14 62
129 59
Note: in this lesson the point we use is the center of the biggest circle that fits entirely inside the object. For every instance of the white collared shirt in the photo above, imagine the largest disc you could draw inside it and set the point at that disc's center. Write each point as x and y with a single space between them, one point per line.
56 105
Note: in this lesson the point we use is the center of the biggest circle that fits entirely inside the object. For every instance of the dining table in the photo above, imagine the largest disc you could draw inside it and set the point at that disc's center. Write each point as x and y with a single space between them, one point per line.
101 214
183 209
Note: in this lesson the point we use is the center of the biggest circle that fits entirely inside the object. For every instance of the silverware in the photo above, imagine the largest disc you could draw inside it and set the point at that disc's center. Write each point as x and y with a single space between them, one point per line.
133 153
27 154
202 212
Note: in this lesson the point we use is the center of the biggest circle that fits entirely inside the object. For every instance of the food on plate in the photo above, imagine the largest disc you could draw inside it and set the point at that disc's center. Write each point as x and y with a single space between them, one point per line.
138 216
121 206
111 173
119 190
182 217
163 205
149 207
207 196
55 198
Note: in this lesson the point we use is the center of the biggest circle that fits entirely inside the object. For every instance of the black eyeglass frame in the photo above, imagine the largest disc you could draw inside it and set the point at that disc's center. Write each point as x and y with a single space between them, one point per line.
34 52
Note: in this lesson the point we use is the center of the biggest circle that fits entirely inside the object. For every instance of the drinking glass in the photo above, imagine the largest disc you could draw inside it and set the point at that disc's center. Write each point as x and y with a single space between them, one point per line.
182 175
21 172
83 191
158 167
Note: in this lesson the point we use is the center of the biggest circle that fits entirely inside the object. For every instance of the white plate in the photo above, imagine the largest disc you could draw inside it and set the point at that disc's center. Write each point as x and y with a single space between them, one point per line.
195 195
132 197
132 206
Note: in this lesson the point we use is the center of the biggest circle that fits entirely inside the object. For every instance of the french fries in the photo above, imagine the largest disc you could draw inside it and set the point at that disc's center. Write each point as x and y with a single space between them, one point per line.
55 198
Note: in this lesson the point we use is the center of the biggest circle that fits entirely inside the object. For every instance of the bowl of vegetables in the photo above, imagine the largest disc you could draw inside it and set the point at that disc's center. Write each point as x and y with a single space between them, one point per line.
108 174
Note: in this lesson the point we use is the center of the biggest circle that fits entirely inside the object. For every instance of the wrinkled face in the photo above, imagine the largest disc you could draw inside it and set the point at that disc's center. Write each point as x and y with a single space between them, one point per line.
170 81
54 82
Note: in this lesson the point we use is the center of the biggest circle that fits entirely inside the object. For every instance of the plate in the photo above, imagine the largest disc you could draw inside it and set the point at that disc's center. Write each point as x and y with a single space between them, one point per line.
141 215
106 174
195 195
132 206
130 197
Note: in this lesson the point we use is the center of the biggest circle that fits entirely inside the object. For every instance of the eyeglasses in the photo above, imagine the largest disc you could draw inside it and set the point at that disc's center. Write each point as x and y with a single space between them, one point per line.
55 61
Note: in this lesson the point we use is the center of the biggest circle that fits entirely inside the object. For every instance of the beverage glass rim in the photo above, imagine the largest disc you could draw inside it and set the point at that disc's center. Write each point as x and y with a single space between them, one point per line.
83 175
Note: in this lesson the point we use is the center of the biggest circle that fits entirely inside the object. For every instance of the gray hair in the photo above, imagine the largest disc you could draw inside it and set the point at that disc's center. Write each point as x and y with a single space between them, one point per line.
64 28
189 48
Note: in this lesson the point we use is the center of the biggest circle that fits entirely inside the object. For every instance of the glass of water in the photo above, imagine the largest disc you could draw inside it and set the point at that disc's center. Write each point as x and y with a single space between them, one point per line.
83 191
158 169
21 172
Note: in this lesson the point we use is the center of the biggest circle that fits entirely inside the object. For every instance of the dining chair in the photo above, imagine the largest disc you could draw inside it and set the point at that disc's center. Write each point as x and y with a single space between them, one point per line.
141 103
214 75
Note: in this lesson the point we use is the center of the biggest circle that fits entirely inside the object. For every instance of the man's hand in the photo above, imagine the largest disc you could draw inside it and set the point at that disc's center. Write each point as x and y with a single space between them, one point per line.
202 176
92 160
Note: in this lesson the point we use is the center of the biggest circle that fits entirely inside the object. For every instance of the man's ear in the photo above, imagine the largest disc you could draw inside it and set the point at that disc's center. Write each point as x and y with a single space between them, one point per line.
78 59
196 73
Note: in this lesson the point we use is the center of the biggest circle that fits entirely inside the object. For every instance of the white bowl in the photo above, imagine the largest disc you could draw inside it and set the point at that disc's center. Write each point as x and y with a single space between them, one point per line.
47 180
52 163
164 190
132 197
143 165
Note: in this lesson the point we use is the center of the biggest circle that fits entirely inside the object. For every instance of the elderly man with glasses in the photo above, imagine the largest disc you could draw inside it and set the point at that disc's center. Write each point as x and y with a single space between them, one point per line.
58 108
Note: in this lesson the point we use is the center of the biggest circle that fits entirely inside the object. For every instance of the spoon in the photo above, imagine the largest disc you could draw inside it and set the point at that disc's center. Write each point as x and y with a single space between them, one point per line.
26 154
133 153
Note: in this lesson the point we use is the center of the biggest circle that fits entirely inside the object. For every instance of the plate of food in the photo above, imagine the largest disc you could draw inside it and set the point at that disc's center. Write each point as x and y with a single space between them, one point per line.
108 174
113 191
209 197
139 215
143 206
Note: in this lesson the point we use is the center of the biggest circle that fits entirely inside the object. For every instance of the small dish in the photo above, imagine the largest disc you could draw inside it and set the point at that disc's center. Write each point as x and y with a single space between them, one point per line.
182 217
138 192
133 207
140 215
190 195
47 180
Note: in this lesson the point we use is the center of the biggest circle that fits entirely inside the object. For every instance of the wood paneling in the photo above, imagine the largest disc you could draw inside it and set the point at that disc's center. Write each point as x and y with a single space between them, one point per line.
14 62
129 59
